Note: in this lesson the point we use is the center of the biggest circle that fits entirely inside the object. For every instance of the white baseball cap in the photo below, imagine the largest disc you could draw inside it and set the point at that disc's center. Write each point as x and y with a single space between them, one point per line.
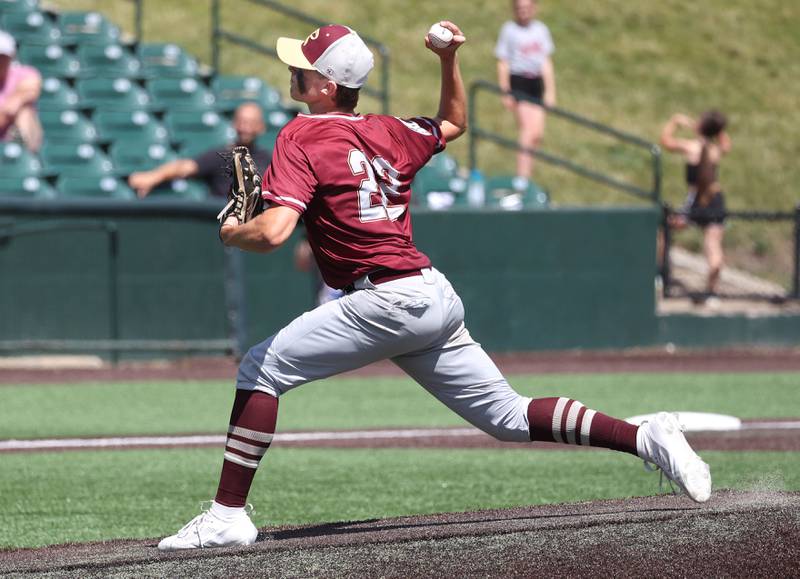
335 51
7 45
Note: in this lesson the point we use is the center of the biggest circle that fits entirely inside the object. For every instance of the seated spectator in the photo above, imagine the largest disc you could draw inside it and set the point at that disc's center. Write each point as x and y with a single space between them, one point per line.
20 87
211 166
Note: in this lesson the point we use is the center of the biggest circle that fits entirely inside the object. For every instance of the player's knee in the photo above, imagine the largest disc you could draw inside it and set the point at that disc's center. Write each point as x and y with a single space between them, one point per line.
254 373
510 435
511 425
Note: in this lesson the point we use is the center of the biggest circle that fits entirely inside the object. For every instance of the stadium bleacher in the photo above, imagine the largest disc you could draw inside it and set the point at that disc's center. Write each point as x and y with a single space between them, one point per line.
110 107
26 187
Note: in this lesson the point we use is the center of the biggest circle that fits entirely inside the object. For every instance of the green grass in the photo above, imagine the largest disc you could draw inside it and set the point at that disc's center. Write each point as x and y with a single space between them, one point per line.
31 411
52 498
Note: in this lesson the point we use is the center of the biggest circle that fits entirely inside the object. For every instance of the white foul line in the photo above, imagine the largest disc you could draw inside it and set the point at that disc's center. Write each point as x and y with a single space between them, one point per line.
209 440
216 439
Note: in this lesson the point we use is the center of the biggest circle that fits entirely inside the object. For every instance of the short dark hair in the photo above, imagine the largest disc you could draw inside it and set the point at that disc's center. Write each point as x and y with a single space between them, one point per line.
346 97
712 123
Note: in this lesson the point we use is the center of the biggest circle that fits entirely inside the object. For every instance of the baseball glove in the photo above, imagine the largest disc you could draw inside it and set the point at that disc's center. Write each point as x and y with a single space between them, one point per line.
244 197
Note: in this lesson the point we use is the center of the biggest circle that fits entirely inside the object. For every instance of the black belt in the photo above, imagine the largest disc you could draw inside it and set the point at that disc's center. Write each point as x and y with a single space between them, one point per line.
382 276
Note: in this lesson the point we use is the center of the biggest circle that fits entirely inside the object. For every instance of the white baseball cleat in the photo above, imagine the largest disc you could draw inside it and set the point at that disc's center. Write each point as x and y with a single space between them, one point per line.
207 530
661 442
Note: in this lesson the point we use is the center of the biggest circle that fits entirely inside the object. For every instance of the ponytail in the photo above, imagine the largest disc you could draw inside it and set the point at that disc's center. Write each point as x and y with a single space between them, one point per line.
706 176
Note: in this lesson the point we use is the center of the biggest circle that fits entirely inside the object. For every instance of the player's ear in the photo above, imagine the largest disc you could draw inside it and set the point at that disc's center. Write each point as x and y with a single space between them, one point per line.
329 89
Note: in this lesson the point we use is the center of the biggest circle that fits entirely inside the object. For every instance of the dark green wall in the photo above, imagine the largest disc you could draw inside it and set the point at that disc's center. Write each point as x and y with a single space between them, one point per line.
55 284
568 278
549 279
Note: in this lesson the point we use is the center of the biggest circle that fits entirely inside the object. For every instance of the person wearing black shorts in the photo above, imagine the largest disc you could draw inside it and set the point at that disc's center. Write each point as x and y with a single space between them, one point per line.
705 203
526 75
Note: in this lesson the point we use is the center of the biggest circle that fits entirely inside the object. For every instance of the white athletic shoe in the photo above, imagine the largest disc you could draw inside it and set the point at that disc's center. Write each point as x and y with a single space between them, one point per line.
207 530
661 442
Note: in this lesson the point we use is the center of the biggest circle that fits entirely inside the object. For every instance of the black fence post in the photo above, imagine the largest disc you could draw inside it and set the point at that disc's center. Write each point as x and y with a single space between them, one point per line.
113 286
666 244
215 35
138 18
796 277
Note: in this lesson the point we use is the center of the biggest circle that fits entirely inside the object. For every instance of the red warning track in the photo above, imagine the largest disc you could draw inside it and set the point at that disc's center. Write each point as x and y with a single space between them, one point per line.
728 360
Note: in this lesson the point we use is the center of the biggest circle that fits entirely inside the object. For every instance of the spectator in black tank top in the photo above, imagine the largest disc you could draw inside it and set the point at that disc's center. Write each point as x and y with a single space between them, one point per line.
705 202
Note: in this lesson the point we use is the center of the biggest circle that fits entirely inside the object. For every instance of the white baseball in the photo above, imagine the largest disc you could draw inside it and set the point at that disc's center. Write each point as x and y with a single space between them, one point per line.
440 36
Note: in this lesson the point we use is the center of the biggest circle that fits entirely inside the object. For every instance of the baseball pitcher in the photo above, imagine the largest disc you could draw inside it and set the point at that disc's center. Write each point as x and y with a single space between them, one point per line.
348 176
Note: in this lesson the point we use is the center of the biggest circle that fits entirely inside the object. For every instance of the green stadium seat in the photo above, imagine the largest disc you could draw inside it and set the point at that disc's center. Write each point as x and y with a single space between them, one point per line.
183 188
161 60
17 161
192 149
444 164
231 91
276 118
513 193
437 189
112 94
130 156
205 127
110 60
18 6
102 186
67 127
180 94
87 28
125 125
25 187
50 60
30 28
56 96
267 140
75 160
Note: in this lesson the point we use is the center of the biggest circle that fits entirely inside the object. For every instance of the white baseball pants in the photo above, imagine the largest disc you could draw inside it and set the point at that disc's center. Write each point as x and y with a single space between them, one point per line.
418 323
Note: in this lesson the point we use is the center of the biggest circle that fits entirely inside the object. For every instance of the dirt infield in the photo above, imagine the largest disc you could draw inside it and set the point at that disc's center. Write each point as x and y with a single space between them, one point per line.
566 362
735 534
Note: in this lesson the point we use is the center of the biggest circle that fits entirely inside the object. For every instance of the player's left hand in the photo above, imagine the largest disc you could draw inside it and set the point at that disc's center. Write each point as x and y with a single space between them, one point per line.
244 197
449 50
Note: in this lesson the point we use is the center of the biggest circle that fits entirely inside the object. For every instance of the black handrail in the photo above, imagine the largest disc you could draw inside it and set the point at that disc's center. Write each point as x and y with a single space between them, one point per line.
476 132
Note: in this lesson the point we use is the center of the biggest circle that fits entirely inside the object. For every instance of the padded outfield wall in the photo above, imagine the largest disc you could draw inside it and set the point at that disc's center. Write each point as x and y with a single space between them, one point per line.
545 279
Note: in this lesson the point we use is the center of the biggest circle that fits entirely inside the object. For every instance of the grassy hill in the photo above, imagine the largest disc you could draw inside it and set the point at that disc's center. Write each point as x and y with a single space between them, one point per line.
626 64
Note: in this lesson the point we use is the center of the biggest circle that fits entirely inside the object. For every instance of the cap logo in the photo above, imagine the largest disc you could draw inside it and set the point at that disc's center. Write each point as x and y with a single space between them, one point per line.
313 36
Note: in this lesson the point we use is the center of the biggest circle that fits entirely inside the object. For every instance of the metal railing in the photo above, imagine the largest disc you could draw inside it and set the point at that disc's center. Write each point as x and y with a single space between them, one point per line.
218 33
770 216
476 132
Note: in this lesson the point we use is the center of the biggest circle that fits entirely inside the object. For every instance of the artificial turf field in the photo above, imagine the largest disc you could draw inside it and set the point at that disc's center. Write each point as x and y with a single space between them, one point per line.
55 497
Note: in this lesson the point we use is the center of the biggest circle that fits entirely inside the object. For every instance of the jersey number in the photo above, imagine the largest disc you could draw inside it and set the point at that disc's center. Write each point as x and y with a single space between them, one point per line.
380 184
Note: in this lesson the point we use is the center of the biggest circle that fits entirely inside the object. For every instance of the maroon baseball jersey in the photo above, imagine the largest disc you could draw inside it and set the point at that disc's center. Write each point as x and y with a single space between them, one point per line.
350 177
